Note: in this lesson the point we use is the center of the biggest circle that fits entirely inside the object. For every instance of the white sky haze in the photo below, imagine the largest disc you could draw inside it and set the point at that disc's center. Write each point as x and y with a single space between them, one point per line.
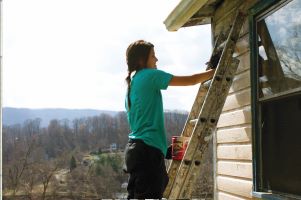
71 53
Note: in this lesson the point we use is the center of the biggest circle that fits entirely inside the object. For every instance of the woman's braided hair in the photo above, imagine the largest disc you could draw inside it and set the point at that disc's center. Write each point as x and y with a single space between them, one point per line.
136 58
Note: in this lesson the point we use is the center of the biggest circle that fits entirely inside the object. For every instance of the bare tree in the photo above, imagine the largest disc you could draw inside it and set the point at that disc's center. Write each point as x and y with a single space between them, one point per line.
17 169
29 182
46 174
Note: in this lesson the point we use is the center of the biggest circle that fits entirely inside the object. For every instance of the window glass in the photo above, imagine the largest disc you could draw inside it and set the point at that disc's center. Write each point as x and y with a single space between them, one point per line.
279 47
277 106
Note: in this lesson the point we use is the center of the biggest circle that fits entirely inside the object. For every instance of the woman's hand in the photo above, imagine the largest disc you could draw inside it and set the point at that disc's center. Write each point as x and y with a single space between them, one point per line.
209 73
169 153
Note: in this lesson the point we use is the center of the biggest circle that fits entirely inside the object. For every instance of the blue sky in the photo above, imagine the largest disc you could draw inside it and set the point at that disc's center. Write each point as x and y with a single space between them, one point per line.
71 53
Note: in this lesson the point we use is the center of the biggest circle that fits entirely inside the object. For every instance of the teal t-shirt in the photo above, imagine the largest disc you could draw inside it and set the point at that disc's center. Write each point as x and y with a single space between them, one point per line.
146 117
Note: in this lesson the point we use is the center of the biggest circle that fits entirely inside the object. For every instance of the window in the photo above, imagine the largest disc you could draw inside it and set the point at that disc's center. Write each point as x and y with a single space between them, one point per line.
275 38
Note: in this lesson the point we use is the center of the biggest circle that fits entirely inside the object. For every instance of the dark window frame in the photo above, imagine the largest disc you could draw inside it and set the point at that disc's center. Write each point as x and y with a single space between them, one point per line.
259 11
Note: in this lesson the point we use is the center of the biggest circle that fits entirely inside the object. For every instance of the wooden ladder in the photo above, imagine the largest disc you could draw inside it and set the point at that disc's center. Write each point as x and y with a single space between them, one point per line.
205 113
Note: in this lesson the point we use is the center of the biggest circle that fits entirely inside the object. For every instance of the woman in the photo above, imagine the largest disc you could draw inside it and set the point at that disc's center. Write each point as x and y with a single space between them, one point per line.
147 146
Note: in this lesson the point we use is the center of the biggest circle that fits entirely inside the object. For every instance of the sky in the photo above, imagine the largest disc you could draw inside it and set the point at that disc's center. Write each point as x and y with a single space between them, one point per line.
71 53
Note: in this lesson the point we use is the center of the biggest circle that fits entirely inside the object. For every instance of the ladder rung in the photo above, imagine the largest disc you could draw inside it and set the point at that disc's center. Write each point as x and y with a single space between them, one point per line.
222 45
193 121
207 138
207 84
197 162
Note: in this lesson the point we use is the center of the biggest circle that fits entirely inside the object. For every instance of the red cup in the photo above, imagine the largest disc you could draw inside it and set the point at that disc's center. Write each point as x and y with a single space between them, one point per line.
179 145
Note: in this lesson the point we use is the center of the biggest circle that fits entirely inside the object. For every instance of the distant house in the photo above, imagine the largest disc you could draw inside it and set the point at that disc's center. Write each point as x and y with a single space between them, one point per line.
87 160
257 144
113 147
124 185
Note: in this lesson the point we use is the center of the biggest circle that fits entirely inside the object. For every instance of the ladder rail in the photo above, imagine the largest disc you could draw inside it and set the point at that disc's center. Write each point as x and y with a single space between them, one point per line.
204 137
195 110
206 121
204 124
188 128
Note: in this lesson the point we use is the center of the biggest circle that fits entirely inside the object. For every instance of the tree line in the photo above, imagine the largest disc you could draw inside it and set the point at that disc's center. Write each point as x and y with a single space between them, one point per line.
33 155
82 134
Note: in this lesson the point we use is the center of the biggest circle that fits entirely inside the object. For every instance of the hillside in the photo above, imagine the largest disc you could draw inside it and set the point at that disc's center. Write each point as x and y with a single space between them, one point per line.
19 115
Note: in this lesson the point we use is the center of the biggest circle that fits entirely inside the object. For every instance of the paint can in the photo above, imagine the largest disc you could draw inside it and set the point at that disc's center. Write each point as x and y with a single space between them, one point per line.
179 145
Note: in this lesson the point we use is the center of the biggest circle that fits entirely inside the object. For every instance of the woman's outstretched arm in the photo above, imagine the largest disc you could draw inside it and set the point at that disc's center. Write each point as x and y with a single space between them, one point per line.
191 80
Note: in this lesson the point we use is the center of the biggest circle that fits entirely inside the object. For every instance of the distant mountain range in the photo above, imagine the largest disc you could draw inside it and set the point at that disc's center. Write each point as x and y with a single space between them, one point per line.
12 116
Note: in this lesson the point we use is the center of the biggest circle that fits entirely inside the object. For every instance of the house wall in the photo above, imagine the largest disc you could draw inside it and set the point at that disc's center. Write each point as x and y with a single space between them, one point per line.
232 143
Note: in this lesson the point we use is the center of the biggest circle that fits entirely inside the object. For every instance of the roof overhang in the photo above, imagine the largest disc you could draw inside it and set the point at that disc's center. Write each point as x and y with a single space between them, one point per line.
191 13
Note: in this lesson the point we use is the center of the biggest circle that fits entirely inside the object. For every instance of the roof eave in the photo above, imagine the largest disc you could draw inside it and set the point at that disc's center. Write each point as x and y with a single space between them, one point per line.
182 14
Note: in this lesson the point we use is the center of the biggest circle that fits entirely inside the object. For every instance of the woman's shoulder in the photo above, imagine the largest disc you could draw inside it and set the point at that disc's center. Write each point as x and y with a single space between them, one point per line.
144 76
149 71
150 75
143 73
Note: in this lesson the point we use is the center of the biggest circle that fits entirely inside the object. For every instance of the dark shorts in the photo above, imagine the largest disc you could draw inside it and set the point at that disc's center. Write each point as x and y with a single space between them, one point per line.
146 166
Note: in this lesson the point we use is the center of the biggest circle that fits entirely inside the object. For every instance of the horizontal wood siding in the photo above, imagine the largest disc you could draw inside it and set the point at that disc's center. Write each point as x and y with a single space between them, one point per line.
238 99
244 63
234 135
233 139
226 9
234 152
242 45
237 117
235 186
225 196
240 81
237 169
224 25
225 14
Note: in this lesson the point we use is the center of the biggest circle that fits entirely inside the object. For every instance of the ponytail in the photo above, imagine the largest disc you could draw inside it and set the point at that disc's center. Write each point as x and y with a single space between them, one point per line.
128 80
